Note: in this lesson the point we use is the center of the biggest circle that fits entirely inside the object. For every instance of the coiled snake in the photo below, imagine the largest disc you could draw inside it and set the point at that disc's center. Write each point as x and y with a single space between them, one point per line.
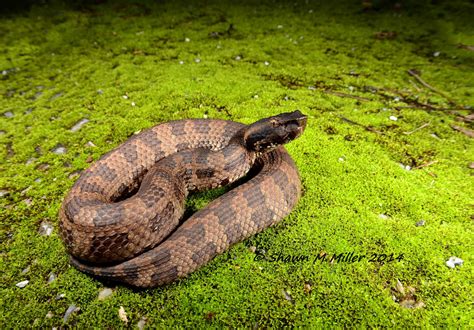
114 231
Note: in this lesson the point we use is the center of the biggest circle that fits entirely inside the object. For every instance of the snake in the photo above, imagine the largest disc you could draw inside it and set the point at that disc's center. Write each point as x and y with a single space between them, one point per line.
122 219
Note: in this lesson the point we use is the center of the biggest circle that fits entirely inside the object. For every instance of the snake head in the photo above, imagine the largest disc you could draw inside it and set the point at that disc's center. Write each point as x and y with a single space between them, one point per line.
269 133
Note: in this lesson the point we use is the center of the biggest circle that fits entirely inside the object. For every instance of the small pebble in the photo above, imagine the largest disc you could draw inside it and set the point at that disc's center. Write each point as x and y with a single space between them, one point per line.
187 40
133 104
436 54
8 114
79 124
405 167
45 229
238 58
26 270
341 159
30 161
125 96
38 180
266 63
471 165
454 261
393 118
55 96
59 149
105 293
100 91
280 26
3 193
141 324
90 144
52 277
255 96
60 296
49 315
71 309
286 294
197 60
181 62
253 249
383 216
28 201
22 284
420 223
312 88
351 88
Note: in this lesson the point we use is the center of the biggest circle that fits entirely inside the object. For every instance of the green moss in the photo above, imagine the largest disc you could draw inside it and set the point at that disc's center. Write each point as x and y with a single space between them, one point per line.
322 59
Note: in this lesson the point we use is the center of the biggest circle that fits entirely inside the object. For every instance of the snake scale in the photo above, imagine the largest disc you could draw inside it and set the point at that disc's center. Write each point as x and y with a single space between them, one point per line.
121 219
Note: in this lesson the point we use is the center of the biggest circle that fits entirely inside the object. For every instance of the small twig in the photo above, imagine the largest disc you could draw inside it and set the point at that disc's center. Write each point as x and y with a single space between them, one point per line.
346 95
368 128
404 99
417 129
468 47
463 130
418 89
466 119
427 164
425 106
424 83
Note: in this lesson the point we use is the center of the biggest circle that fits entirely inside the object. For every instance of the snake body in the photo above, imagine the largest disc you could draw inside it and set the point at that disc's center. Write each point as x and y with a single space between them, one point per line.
121 219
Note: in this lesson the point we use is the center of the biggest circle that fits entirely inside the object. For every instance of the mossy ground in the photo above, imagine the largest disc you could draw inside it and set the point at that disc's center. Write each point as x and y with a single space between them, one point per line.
244 62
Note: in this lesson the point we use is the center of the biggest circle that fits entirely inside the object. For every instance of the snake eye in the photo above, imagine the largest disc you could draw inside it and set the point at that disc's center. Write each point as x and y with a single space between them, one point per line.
274 123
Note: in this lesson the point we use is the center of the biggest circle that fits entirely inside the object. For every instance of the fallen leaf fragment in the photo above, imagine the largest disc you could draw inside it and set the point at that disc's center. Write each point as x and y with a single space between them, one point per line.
122 315
400 288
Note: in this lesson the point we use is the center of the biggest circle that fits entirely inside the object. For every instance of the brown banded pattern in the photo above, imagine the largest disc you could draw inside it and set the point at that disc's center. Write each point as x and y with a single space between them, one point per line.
122 240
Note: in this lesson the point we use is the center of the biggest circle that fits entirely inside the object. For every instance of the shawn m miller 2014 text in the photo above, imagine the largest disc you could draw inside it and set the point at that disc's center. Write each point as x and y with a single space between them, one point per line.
346 257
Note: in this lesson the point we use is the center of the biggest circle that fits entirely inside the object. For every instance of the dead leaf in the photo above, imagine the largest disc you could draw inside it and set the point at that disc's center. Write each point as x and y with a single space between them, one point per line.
407 303
400 288
122 315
